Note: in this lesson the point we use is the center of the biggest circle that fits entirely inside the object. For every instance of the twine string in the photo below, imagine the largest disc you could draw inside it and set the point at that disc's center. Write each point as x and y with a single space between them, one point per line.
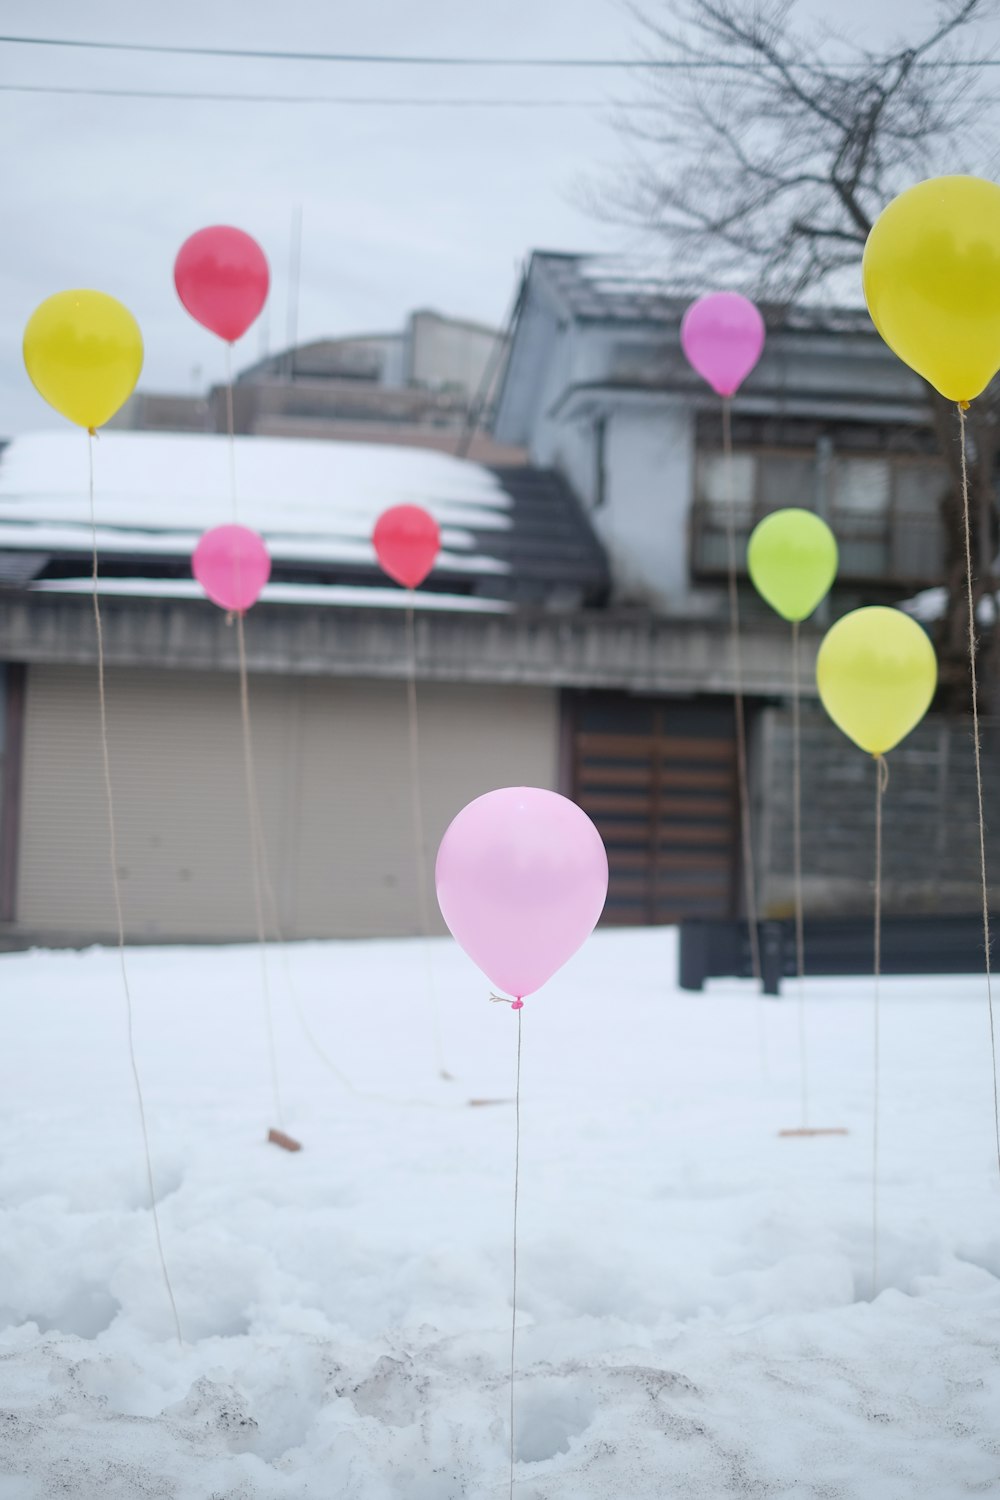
116 887
750 894
517 1182
979 773
800 946
881 783
230 431
256 842
419 833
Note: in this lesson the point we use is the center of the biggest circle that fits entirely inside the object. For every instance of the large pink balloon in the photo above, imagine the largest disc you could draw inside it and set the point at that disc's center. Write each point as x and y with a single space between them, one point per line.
522 877
232 564
723 335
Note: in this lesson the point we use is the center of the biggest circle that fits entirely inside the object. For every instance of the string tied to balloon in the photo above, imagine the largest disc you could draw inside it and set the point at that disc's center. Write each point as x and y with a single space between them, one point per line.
232 564
792 561
722 335
506 1000
407 540
876 673
931 274
522 877
222 279
83 352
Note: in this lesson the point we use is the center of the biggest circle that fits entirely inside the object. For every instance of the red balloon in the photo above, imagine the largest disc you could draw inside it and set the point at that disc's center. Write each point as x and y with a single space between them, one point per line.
222 278
407 540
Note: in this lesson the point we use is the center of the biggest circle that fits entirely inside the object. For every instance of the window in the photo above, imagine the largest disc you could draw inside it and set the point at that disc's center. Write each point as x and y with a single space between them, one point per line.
884 510
918 533
759 482
859 513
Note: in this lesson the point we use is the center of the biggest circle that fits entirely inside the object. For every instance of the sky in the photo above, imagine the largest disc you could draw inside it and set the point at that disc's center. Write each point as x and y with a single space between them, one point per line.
402 206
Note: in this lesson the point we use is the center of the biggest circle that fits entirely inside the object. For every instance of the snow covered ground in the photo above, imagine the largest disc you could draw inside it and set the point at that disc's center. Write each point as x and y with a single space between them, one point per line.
695 1290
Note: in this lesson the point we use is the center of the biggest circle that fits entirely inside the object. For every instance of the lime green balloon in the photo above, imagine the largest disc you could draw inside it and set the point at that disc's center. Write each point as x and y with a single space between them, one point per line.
792 558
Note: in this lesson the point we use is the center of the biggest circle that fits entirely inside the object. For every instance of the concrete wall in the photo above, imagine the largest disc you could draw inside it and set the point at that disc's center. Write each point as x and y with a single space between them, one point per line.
930 849
628 649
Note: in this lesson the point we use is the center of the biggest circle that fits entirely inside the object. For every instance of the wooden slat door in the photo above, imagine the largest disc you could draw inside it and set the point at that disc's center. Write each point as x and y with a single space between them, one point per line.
659 780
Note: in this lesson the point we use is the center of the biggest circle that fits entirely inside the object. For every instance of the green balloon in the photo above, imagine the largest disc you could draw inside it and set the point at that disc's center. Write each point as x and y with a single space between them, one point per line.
792 558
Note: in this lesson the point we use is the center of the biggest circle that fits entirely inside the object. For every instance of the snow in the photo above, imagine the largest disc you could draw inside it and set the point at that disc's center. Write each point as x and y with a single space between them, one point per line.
311 500
696 1310
930 604
344 595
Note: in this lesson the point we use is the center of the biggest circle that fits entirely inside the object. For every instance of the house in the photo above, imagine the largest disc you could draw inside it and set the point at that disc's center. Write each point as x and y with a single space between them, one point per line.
596 388
425 387
328 662
574 634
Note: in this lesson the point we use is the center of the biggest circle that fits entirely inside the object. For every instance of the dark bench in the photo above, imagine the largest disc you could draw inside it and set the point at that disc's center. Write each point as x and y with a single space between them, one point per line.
833 945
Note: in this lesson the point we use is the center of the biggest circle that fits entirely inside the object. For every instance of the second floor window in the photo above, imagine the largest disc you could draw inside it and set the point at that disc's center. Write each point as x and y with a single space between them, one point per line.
884 511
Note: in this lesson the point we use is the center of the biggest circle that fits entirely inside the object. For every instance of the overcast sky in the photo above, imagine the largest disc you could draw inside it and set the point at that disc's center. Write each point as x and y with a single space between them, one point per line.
402 207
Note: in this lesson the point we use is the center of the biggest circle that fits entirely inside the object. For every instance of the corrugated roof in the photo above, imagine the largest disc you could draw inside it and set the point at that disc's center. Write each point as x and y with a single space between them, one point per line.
507 534
600 288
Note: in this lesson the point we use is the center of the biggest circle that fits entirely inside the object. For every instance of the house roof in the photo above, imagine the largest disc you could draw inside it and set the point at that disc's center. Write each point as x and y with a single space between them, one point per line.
508 535
610 289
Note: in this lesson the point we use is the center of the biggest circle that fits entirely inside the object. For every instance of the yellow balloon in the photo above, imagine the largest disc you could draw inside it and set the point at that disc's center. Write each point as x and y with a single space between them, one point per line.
83 351
931 274
876 673
792 560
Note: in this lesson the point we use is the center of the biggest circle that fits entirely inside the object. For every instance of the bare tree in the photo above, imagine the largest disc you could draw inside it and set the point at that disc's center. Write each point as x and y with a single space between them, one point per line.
764 152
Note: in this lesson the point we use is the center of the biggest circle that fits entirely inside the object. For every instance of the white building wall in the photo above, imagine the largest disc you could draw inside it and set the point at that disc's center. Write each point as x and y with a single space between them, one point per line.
649 482
559 441
443 352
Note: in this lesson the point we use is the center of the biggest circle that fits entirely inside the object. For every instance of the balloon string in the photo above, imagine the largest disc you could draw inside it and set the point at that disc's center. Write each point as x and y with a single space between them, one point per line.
116 887
257 831
882 781
255 867
749 885
230 431
307 1031
800 946
419 836
979 773
517 1183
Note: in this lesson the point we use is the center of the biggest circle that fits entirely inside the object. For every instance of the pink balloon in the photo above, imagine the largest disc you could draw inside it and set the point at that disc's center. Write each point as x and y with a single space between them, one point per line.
723 335
232 564
522 876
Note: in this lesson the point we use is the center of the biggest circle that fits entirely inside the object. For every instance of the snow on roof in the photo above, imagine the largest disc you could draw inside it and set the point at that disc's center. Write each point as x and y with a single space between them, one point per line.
624 288
516 534
312 500
279 593
930 605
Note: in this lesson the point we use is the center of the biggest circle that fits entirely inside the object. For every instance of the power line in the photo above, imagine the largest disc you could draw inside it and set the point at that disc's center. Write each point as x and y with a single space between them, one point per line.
381 101
409 60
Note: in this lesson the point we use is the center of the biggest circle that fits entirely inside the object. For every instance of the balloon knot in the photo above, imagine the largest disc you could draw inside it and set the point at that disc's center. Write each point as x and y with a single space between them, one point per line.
92 431
964 405
517 1005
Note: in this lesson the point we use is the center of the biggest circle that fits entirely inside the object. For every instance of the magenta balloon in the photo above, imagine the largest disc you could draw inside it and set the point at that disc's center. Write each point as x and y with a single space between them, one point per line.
232 564
723 335
522 876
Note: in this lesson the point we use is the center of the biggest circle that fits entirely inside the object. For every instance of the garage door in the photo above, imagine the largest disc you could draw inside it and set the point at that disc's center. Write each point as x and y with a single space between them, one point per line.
658 777
333 771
